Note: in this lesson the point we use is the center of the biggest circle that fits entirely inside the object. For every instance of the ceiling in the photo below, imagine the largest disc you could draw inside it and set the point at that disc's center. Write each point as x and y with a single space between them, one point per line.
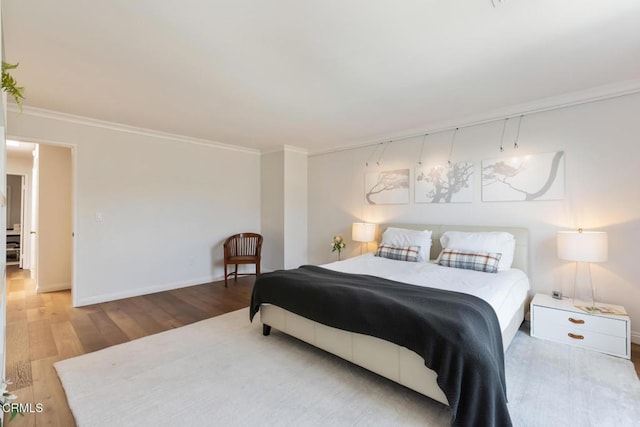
313 74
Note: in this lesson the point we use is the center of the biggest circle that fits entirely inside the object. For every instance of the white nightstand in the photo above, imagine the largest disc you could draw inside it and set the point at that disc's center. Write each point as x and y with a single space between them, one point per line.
559 320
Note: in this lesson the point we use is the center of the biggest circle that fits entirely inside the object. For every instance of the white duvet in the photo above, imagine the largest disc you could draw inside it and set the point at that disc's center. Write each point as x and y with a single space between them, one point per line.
505 291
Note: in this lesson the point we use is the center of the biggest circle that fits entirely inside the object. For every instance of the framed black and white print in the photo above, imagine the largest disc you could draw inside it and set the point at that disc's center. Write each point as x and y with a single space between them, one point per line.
444 183
524 178
387 187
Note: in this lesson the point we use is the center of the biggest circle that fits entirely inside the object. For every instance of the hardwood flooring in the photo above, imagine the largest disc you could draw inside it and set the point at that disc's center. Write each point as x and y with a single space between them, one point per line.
44 328
635 357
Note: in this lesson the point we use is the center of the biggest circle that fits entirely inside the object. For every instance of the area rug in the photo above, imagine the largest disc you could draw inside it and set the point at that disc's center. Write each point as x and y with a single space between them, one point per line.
222 371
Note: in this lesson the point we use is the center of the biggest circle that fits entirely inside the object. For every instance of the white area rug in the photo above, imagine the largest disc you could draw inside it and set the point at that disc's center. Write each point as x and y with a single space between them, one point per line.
222 371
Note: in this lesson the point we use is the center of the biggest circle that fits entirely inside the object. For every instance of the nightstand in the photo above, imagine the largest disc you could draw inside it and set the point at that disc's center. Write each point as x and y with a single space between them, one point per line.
559 320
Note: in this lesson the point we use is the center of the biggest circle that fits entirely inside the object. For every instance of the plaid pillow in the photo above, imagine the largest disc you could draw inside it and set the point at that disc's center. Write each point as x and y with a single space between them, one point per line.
405 253
480 261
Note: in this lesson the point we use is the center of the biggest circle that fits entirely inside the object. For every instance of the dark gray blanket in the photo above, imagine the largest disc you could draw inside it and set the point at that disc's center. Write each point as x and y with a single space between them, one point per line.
458 335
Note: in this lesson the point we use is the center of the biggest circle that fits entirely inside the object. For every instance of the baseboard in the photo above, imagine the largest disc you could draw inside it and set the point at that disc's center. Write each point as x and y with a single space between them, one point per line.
148 290
145 291
635 337
54 287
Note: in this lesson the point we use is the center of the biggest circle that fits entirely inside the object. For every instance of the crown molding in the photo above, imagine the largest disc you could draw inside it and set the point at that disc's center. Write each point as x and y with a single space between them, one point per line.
572 99
119 127
294 149
283 148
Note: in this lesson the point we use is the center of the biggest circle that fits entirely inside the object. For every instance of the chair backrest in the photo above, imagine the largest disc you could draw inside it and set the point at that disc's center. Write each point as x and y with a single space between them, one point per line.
243 244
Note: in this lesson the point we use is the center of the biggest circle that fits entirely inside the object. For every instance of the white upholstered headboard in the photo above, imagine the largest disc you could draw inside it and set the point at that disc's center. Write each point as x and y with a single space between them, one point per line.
520 256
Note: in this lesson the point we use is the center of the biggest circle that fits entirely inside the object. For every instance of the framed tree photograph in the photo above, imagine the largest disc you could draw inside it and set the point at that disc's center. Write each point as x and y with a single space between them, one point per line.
387 187
524 178
444 184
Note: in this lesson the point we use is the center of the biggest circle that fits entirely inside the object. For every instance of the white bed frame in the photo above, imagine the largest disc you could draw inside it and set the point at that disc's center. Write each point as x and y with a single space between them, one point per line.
383 357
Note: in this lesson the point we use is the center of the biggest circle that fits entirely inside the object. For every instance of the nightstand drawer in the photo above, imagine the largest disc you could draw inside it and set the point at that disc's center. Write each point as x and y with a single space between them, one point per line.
559 320
581 337
572 322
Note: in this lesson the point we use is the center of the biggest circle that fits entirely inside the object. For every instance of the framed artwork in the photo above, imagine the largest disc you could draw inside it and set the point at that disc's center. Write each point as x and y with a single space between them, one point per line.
387 187
524 178
444 184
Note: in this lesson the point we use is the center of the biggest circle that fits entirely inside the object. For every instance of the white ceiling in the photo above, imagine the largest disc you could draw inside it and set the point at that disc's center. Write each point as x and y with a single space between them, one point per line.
313 74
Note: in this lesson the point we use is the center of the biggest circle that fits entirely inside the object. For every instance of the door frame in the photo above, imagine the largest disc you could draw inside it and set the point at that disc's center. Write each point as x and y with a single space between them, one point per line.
74 207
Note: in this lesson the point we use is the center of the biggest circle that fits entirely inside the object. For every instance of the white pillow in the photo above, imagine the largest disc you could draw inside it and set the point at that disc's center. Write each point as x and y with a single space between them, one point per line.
404 237
489 241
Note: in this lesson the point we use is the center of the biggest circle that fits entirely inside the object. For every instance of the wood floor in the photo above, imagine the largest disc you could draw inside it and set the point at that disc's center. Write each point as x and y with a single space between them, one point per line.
43 328
635 357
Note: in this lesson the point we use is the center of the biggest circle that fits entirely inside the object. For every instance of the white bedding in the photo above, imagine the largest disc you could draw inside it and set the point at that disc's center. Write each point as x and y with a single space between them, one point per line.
504 291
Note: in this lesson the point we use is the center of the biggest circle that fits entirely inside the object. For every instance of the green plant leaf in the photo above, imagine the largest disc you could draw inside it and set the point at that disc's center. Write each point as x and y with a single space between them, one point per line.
10 85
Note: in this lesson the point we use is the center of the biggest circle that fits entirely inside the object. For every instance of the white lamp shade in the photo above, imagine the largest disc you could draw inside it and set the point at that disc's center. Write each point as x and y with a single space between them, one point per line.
363 232
584 246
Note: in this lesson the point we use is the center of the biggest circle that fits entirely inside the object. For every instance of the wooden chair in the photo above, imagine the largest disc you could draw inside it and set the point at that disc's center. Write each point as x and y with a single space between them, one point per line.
243 248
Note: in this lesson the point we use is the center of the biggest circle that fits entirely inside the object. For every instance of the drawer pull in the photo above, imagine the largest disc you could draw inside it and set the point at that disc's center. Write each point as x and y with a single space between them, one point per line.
575 337
576 321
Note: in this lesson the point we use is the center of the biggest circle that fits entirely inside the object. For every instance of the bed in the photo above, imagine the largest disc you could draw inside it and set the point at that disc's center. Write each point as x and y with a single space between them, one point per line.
397 362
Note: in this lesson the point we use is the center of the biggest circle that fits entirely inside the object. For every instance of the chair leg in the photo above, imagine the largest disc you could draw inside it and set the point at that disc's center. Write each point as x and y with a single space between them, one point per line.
225 274
235 276
257 270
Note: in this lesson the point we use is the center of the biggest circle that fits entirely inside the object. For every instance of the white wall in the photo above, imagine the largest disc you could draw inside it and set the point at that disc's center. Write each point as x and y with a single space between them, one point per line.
295 212
152 210
284 208
54 248
272 209
601 143
3 213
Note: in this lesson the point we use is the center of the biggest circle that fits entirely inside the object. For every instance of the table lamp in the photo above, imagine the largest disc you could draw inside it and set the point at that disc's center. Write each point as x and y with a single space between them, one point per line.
583 246
363 232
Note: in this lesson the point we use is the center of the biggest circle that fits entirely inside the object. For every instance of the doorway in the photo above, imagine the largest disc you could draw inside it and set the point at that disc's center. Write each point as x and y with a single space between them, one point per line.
47 223
15 219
